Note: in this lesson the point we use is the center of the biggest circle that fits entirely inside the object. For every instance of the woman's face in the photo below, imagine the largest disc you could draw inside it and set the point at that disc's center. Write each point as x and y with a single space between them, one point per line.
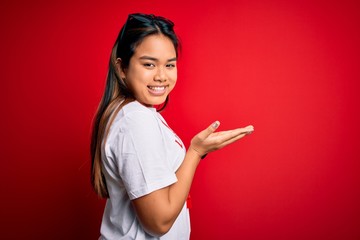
152 70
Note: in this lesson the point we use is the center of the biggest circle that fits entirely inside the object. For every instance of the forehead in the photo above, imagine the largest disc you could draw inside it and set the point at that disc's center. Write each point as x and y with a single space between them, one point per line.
157 46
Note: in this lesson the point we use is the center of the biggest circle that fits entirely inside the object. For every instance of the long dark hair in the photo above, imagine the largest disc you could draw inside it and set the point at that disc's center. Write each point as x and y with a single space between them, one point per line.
137 27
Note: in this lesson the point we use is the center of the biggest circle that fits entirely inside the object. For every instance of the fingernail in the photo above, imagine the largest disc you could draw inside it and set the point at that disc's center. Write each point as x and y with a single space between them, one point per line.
215 124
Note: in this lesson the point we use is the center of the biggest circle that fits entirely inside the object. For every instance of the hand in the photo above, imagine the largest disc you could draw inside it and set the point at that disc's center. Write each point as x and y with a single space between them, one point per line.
207 140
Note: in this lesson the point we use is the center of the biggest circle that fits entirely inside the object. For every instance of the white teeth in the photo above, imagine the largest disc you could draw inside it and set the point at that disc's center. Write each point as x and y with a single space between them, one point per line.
157 88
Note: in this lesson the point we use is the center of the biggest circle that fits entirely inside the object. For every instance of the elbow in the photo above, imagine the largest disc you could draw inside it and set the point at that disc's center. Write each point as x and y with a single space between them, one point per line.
162 230
157 229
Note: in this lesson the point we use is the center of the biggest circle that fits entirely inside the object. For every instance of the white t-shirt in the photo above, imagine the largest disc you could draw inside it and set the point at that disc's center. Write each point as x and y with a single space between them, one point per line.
141 154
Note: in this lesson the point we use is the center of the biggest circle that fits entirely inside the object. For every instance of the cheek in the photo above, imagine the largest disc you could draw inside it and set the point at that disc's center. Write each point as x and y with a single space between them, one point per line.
138 76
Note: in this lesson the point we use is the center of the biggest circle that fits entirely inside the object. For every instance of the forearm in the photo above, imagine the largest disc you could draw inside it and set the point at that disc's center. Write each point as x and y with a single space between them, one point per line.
158 211
179 191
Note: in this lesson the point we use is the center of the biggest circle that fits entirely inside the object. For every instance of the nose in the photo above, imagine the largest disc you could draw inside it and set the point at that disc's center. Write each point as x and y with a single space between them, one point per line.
160 75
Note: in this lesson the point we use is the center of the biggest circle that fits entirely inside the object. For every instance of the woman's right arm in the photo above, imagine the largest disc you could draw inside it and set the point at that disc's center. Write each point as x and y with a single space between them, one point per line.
158 210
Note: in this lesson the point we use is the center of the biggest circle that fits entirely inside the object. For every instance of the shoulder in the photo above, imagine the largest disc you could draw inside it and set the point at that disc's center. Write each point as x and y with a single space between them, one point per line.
134 123
136 107
136 114
135 119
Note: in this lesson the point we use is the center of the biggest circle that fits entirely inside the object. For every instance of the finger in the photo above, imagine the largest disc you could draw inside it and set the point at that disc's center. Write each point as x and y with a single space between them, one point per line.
232 140
226 136
247 130
238 131
209 130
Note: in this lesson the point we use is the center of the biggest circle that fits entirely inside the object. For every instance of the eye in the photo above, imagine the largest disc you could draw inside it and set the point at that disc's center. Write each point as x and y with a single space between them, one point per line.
149 65
170 65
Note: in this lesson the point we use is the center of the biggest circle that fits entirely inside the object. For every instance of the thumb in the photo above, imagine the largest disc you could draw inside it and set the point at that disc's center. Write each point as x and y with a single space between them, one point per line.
209 130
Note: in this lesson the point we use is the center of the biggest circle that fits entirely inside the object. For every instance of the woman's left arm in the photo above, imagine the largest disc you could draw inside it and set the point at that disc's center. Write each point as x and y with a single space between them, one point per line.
158 210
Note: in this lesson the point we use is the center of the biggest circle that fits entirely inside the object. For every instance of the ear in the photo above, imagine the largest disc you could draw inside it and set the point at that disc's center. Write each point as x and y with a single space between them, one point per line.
119 68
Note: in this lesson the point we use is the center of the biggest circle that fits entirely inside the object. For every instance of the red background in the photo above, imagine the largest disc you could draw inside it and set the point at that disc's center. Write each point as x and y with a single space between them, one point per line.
290 68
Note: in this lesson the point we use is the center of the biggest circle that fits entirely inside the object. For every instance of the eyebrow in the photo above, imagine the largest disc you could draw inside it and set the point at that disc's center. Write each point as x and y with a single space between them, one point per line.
155 59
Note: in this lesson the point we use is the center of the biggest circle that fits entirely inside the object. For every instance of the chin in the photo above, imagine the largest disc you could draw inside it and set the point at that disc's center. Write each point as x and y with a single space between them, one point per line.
153 102
157 103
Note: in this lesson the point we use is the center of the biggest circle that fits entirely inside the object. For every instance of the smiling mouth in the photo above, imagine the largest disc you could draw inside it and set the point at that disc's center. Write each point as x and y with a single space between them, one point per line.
157 90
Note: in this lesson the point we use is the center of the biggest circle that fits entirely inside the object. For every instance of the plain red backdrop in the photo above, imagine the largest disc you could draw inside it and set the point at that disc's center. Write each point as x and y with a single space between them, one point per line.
290 68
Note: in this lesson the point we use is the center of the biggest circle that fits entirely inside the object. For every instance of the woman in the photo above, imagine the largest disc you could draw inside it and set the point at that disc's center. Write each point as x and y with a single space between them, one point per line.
138 162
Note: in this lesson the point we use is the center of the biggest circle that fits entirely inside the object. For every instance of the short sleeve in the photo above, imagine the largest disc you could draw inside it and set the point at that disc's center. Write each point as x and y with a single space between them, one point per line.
142 162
